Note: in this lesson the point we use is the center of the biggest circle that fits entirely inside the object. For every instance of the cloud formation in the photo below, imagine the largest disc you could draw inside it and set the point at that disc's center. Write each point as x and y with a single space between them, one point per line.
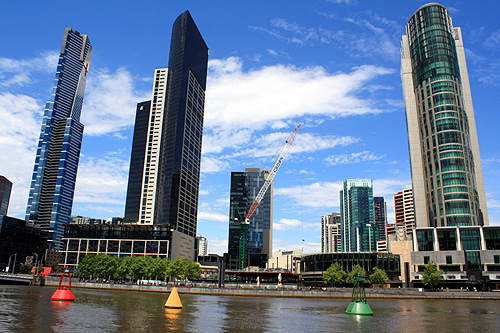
353 158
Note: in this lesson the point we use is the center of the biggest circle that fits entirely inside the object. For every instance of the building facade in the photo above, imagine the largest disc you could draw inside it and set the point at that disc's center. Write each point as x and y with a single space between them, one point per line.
202 245
113 240
468 255
180 151
330 233
404 213
54 175
258 235
380 217
447 179
136 170
5 189
358 230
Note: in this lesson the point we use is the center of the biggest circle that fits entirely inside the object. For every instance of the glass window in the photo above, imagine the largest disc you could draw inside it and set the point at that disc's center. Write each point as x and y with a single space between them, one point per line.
425 240
470 239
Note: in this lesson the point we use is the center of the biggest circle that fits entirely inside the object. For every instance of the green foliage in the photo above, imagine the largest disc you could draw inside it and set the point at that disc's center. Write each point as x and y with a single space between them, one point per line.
334 274
357 272
112 267
379 276
25 269
432 276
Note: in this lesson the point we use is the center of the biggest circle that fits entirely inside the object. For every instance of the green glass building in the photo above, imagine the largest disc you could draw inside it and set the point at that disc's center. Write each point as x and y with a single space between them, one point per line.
447 177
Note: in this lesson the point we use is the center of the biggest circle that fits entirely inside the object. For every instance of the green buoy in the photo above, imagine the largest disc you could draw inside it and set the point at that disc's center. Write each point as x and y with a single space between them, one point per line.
358 305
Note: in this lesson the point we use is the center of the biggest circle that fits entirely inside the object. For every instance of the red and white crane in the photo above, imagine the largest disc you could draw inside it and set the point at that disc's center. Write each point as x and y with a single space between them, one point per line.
271 175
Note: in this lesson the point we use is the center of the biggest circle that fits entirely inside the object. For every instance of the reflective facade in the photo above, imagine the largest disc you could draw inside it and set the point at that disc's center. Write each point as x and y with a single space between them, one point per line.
180 153
5 189
357 227
54 175
447 178
380 216
135 176
244 188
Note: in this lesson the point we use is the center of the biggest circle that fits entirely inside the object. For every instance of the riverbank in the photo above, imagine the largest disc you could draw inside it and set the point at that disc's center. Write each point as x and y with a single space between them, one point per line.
274 291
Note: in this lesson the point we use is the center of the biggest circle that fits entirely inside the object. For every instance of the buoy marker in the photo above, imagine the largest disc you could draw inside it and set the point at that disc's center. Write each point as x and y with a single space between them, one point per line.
173 301
63 292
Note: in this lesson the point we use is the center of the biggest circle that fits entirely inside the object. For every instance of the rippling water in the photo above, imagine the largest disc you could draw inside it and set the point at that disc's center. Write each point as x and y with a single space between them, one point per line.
29 309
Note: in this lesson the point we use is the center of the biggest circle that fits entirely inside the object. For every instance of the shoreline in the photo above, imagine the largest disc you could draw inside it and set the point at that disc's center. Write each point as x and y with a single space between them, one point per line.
273 291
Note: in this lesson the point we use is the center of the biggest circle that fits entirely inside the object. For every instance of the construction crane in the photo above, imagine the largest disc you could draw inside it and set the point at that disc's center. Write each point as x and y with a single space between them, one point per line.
243 224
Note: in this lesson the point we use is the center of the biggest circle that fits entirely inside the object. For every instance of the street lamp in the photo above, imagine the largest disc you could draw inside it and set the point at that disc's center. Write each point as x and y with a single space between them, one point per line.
15 257
36 263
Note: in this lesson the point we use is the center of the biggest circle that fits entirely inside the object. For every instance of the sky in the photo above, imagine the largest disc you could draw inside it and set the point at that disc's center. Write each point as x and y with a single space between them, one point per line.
332 66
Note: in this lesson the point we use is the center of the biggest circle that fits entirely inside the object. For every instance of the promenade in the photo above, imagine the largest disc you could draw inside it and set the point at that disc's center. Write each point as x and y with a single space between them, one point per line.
287 291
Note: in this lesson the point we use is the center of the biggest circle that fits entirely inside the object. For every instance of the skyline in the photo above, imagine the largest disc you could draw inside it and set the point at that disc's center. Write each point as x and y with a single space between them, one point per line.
268 63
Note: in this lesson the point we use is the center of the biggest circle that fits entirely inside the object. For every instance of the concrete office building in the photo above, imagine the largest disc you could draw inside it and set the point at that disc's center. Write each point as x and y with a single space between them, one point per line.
446 171
330 233
358 230
54 175
178 176
202 245
404 213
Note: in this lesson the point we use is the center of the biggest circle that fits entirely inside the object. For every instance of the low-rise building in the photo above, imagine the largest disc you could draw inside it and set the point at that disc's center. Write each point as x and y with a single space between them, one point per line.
286 260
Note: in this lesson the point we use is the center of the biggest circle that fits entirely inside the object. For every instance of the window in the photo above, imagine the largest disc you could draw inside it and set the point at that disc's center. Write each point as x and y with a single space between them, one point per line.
426 259
496 259
449 260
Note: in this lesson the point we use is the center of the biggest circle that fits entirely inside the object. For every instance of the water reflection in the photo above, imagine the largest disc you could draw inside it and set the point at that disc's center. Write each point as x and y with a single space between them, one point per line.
30 309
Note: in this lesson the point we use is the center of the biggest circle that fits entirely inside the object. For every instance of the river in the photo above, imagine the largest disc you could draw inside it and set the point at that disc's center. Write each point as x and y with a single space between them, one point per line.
29 309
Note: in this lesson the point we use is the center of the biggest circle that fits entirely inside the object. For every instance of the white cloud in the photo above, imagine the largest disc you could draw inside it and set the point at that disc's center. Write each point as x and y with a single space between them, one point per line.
285 224
102 184
110 101
255 99
353 158
326 194
20 125
212 165
202 215
20 72
216 245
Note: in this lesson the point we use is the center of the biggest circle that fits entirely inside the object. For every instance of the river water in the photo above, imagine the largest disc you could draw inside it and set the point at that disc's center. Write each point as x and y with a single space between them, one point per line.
29 309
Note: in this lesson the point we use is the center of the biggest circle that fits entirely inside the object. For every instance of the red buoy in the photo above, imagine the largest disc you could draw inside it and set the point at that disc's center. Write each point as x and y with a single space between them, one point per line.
63 293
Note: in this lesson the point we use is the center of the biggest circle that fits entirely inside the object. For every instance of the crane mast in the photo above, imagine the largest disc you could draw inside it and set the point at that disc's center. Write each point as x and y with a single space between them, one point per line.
271 175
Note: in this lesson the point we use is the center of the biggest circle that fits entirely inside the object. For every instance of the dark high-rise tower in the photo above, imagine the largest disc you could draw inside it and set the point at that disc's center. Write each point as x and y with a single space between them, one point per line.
447 177
179 173
136 171
380 217
54 174
5 189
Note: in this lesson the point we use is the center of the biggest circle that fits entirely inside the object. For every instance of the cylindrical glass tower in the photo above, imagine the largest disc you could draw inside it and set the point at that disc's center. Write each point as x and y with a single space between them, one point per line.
441 133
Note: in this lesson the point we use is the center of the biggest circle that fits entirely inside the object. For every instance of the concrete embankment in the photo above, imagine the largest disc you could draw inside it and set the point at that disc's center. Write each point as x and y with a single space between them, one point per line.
273 291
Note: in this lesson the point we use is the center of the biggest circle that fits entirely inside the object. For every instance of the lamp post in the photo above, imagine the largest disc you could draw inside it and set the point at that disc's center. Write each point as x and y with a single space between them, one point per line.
15 257
36 263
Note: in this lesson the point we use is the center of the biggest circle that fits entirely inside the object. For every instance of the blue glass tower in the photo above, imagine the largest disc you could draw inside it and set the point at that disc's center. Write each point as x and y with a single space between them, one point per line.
358 230
54 174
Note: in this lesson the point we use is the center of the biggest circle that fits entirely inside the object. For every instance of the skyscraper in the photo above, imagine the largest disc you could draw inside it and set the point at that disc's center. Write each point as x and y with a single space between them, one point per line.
145 157
447 179
404 214
259 241
180 152
380 217
54 174
358 231
330 233
5 189
136 170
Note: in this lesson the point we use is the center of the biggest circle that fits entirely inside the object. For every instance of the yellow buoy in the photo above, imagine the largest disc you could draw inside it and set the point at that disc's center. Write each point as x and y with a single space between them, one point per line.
174 301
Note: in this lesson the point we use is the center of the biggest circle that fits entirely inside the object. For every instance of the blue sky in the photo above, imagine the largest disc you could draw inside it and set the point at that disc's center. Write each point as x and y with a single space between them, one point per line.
330 65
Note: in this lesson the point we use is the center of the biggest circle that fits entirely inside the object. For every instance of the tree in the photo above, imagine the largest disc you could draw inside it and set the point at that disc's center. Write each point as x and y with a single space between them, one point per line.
25 269
334 274
357 272
432 275
190 269
378 276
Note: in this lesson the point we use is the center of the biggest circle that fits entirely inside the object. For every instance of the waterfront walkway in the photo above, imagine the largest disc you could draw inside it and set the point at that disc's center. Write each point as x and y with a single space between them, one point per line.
287 291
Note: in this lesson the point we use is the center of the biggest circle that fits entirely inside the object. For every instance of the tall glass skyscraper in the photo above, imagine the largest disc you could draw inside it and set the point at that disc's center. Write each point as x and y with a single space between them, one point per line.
180 152
136 170
244 188
357 227
446 171
5 189
54 174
